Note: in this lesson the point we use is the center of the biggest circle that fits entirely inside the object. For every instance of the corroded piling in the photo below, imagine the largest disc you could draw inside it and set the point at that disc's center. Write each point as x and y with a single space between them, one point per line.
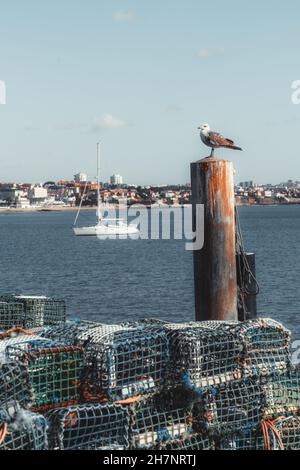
215 264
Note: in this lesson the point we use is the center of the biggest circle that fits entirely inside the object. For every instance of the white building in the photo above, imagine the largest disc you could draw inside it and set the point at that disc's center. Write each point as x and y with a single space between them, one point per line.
116 180
80 178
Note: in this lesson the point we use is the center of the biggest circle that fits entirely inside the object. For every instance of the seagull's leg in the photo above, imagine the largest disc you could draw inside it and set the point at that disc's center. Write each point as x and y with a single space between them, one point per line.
212 152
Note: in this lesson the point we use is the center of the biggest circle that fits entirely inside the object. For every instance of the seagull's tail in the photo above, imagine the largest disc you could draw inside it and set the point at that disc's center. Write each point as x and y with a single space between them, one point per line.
234 147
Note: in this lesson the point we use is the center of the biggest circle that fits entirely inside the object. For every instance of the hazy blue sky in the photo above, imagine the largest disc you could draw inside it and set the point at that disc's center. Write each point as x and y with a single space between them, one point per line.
141 76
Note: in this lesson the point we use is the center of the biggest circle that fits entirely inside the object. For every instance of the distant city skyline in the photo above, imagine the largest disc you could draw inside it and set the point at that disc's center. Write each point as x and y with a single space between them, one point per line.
140 77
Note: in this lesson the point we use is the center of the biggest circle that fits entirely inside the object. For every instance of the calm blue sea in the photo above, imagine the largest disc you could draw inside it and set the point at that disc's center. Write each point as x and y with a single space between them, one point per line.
117 280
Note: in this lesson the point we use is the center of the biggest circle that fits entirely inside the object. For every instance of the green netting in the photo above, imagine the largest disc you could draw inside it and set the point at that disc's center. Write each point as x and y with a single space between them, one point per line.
11 314
55 372
282 393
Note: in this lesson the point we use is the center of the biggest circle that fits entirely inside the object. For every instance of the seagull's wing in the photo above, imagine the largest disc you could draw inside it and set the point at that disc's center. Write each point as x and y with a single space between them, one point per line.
218 139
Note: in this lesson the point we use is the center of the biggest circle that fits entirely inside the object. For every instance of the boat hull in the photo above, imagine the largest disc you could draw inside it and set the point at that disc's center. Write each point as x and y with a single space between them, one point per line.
107 230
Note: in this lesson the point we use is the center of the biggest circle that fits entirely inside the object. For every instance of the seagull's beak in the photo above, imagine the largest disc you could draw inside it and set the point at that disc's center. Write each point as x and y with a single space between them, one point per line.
199 127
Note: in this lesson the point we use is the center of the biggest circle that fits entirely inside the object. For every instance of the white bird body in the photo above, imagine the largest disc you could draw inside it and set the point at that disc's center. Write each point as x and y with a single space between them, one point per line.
215 140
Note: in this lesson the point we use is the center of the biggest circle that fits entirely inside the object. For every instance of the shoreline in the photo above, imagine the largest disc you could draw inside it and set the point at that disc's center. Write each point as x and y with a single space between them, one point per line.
13 210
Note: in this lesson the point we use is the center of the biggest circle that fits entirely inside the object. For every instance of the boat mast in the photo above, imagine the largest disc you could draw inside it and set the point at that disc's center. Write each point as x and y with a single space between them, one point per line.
99 215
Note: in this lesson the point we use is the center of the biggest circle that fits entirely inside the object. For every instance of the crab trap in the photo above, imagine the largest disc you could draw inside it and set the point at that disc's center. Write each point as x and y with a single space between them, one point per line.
90 426
15 387
156 420
281 393
202 356
266 346
124 362
39 310
25 431
55 372
11 314
229 408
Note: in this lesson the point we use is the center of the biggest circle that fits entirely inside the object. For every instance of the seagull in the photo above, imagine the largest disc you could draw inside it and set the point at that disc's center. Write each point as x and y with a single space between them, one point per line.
215 140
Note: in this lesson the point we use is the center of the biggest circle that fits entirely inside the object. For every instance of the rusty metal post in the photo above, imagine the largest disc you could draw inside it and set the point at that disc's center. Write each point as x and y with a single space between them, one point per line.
215 264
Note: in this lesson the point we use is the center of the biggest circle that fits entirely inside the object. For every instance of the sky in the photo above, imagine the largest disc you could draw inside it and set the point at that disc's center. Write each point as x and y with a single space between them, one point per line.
140 76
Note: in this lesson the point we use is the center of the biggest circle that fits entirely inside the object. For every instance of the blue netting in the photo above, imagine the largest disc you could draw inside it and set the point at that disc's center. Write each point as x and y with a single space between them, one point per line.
14 385
91 426
25 431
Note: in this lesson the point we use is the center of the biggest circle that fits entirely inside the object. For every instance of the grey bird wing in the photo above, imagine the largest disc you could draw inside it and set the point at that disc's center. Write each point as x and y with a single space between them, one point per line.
218 139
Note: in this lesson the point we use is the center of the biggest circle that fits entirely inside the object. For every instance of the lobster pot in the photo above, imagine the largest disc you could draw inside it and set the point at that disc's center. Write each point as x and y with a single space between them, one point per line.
289 432
122 362
193 442
90 426
281 393
68 332
42 310
26 431
11 314
266 346
54 372
156 421
15 387
202 356
234 407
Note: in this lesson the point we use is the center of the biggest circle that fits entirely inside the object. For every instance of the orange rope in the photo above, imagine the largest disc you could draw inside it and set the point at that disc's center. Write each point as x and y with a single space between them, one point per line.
17 329
3 432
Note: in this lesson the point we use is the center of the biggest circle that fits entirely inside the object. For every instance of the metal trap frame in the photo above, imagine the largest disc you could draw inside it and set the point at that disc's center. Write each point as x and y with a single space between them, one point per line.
122 362
203 356
55 372
25 431
11 314
68 332
39 310
229 408
89 426
15 385
288 429
156 420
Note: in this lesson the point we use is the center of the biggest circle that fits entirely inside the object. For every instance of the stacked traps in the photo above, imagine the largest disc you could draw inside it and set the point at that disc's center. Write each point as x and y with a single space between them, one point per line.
223 365
194 442
123 362
159 419
38 310
203 355
23 431
238 442
55 371
89 426
11 315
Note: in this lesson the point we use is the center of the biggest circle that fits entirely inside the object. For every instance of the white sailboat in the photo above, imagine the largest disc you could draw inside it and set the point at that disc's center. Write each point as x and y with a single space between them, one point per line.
104 227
